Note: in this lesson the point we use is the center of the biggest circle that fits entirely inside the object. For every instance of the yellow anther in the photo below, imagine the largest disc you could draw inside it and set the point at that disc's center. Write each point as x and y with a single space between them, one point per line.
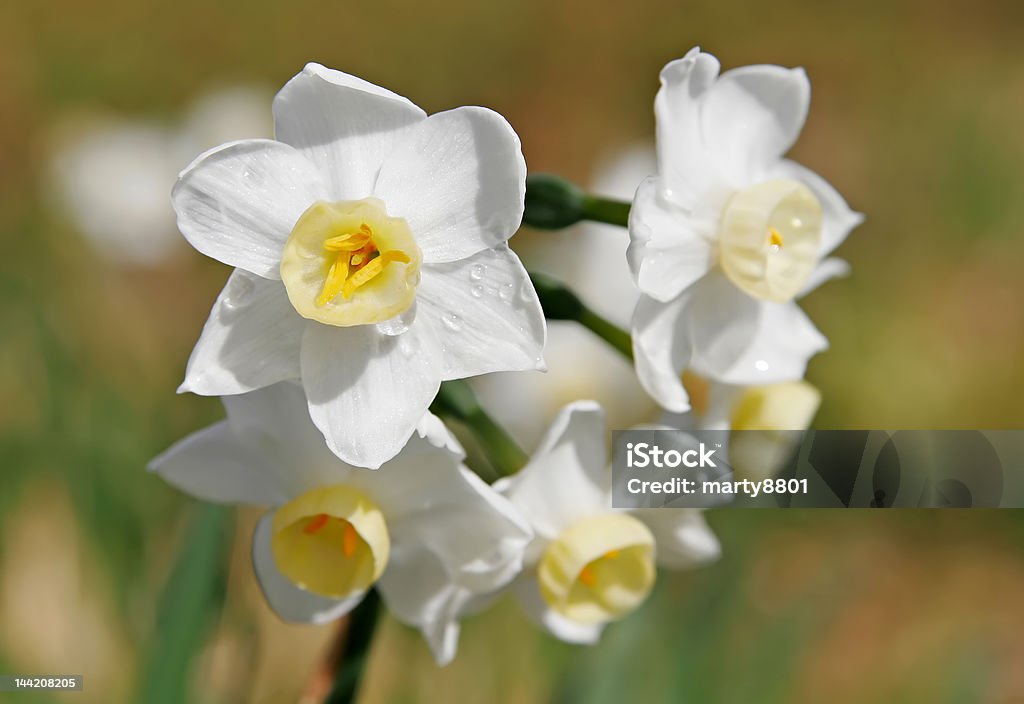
587 576
335 281
371 270
612 554
774 238
349 540
350 242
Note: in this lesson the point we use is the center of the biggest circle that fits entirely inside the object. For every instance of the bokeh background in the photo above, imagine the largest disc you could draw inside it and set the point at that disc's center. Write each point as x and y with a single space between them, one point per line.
916 117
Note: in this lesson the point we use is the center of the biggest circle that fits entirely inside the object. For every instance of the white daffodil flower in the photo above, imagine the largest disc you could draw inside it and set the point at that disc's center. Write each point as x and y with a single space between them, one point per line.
729 233
371 255
425 530
769 417
589 564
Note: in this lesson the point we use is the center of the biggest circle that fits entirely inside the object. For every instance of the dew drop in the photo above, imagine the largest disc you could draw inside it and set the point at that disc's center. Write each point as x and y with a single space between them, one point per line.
477 291
505 292
239 289
526 291
477 271
399 324
452 322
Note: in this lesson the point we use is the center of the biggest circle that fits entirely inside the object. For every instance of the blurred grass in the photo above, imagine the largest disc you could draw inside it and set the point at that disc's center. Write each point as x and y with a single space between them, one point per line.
915 118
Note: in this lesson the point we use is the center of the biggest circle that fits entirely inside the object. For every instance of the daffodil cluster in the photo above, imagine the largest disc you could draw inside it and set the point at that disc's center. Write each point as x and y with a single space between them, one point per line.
371 265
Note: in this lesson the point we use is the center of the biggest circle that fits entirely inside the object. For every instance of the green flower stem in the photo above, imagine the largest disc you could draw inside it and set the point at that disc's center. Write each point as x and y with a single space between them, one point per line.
608 331
560 303
354 650
553 203
606 210
457 400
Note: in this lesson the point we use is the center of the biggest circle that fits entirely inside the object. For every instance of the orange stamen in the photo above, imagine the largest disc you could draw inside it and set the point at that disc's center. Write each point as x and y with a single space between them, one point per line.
349 540
315 523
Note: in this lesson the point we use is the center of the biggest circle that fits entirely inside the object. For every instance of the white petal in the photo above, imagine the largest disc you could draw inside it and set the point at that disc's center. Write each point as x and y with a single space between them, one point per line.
433 430
459 179
751 116
567 478
476 533
721 401
343 124
665 253
686 168
723 334
682 536
661 350
485 314
274 421
250 340
527 593
831 268
418 478
238 202
213 465
286 599
420 593
838 219
777 347
368 391
722 322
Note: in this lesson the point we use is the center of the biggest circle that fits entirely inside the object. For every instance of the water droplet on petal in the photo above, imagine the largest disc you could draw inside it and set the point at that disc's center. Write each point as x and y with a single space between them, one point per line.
505 292
526 291
399 324
476 272
240 287
477 291
452 322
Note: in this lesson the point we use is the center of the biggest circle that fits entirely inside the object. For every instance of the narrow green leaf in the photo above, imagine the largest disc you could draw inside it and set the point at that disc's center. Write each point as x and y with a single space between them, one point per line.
189 607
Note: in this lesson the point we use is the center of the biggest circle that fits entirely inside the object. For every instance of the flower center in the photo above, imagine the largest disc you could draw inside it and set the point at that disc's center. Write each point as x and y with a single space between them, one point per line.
348 263
332 541
771 239
599 569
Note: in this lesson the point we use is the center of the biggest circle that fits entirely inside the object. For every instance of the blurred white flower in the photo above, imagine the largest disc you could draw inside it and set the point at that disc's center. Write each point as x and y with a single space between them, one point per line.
112 181
602 276
112 176
729 233
372 260
769 416
591 259
426 531
589 564
223 115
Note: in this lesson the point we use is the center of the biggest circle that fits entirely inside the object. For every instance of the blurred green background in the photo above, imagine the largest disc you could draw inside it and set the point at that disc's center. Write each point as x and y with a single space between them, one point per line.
916 118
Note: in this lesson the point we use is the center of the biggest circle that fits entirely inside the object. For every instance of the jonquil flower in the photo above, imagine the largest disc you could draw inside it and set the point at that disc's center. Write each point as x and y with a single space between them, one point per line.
770 418
427 532
589 564
729 234
371 255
